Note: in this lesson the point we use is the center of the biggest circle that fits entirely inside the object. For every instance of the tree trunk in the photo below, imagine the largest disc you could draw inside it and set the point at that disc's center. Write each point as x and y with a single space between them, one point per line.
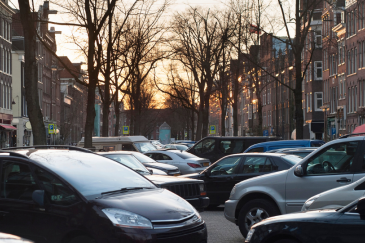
298 73
31 73
117 115
200 120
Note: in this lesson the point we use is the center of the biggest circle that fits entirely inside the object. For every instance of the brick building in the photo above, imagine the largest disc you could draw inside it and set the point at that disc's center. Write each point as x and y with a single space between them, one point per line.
73 103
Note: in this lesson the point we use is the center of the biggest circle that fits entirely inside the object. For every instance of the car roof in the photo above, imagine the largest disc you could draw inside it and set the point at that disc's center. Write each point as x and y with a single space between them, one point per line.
117 152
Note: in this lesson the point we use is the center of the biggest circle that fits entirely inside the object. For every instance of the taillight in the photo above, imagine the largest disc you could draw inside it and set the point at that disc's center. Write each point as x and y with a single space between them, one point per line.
194 165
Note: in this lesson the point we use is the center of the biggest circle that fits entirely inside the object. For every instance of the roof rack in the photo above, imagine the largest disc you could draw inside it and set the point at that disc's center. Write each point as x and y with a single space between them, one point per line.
50 147
13 154
353 135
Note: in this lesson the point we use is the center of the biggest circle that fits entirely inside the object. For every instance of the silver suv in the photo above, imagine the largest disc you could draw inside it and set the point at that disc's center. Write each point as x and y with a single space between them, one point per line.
334 164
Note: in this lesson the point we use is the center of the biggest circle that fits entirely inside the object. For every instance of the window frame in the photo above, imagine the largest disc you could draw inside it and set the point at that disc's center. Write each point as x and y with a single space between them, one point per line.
316 99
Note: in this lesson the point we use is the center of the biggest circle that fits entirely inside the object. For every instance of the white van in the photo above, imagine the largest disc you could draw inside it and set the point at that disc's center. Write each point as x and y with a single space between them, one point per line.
127 143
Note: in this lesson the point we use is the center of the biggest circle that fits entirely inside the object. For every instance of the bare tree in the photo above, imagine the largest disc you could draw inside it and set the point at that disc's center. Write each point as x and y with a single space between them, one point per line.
29 20
198 46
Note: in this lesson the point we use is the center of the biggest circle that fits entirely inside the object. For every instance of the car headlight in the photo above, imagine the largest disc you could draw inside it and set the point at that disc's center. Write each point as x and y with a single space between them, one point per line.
232 192
308 203
122 218
249 235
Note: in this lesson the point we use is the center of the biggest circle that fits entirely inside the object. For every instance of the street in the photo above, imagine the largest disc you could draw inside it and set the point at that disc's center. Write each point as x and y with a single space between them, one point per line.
219 228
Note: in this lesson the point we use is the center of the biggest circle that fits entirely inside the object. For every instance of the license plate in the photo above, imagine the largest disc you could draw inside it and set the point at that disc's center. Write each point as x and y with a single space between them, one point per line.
176 174
206 164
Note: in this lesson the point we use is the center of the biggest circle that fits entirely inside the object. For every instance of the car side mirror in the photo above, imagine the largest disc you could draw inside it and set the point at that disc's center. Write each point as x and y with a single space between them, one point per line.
151 171
299 171
207 173
361 207
38 197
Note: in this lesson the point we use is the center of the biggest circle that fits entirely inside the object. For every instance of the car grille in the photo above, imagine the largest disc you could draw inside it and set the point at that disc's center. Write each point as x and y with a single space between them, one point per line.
180 233
184 190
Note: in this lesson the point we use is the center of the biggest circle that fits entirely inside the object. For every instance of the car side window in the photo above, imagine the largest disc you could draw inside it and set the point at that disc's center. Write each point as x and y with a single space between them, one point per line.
17 181
56 191
128 147
256 164
256 150
231 146
336 158
205 146
226 166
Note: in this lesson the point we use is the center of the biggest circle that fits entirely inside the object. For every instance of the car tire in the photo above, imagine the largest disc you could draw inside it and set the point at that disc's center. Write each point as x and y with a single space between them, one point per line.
248 214
82 239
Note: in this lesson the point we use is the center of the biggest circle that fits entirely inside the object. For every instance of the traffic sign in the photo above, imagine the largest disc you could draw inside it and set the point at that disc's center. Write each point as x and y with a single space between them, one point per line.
212 129
266 133
125 129
186 134
51 128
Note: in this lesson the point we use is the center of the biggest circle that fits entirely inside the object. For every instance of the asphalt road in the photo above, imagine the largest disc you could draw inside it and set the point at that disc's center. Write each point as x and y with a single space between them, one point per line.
220 230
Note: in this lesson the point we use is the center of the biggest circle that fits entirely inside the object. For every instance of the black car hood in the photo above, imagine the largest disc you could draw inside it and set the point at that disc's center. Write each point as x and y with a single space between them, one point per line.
157 165
192 176
162 180
325 215
153 204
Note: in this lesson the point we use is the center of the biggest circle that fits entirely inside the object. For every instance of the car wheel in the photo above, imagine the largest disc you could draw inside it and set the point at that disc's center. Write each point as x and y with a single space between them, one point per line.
82 239
253 212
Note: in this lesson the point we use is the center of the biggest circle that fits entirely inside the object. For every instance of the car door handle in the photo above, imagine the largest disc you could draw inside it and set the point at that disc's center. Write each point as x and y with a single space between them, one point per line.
344 179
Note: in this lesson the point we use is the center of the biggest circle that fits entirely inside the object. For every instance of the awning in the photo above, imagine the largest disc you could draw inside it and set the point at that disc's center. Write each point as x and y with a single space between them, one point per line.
317 126
8 127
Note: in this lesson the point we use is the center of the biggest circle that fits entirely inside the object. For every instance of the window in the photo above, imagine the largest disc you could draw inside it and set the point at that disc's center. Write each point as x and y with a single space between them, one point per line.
318 99
355 108
318 38
231 146
256 164
226 166
205 146
317 70
355 61
334 159
18 182
56 191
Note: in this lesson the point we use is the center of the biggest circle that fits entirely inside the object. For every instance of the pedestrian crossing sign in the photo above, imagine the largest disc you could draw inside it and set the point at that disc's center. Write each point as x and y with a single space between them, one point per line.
51 129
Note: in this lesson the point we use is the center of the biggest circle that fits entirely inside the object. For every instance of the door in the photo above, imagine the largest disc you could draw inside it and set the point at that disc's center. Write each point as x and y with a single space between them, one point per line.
17 209
349 228
222 178
332 167
206 149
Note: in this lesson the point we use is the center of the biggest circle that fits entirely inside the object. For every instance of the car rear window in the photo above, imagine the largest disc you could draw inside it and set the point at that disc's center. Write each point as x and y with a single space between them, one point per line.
186 155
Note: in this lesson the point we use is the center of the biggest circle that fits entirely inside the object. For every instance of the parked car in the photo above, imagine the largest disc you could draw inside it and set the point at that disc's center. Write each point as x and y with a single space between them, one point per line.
268 146
221 176
8 238
340 226
153 164
126 143
189 145
157 144
302 152
76 196
214 148
186 162
191 190
335 164
176 147
132 162
337 197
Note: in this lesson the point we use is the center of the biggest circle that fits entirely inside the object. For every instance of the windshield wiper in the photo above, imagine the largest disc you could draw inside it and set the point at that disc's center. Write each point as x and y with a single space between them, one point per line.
126 189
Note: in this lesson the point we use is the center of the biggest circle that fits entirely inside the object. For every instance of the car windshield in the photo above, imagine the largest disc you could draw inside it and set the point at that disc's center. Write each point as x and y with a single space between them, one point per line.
144 147
128 160
143 158
186 155
292 159
90 174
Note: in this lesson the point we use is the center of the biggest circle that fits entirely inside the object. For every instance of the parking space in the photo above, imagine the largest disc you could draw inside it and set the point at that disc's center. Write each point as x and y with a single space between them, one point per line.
219 228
